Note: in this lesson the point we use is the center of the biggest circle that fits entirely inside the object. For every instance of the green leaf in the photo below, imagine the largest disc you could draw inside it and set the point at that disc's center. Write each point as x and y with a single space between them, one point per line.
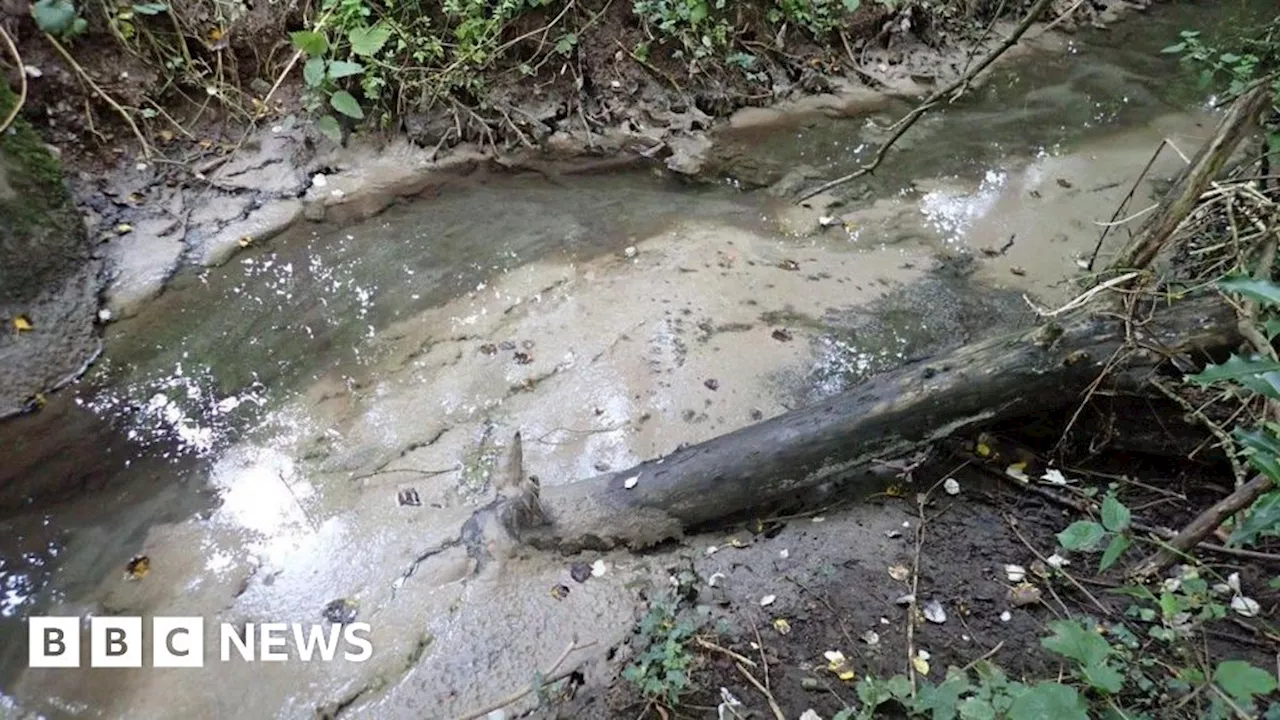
1234 368
976 708
345 103
368 41
1073 640
1115 549
944 698
1175 48
1115 516
851 6
1265 292
1103 677
55 17
1048 700
1262 518
1262 451
328 126
310 42
341 68
1243 681
313 72
150 8
1081 535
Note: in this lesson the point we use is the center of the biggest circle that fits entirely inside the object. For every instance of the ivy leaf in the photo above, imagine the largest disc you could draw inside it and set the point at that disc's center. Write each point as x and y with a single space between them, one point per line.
944 698
1243 681
345 103
368 41
54 16
1115 516
341 68
313 72
1104 677
328 126
1115 549
976 708
310 42
1048 700
1081 535
1073 640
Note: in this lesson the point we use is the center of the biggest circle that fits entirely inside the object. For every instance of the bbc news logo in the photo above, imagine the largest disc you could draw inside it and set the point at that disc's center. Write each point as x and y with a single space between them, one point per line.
178 642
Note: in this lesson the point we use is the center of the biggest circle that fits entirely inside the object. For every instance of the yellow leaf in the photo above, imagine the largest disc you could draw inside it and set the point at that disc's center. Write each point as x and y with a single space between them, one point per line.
920 664
737 543
899 573
215 34
245 241
22 323
894 491
124 228
138 567
983 449
782 626
846 674
39 400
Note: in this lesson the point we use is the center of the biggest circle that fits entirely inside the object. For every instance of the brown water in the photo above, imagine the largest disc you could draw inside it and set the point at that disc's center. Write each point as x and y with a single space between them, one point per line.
252 431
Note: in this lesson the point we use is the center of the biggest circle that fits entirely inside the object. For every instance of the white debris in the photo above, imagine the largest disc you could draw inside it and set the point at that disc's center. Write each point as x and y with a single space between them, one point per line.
1248 607
871 637
905 599
767 600
727 704
631 482
1006 616
784 553
630 251
712 550
715 578
934 613
1056 561
1015 573
810 714
1054 476
32 71
952 486
598 568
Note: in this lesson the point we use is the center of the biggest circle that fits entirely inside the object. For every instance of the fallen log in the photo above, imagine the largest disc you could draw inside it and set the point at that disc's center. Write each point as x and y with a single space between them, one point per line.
843 443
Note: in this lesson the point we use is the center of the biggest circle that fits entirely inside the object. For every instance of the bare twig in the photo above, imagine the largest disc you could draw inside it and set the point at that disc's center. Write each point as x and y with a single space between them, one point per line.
573 645
905 123
1013 525
707 644
22 74
1205 523
84 75
773 704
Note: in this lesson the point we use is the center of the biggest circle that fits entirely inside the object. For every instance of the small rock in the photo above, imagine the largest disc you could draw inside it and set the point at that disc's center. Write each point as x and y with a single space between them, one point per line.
811 684
791 265
601 466
560 592
32 71
767 600
631 482
934 613
712 384
951 486
489 349
1015 573
1006 616
756 414
810 714
341 611
580 571
598 568
630 251
871 637
319 180
782 335
1018 270
1023 594
523 358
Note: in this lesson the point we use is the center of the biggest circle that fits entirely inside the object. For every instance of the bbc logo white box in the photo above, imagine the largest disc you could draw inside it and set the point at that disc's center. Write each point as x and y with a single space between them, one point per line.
177 642
53 642
115 642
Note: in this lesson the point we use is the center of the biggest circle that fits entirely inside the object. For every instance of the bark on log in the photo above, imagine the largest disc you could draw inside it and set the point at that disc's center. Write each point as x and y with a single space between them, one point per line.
838 443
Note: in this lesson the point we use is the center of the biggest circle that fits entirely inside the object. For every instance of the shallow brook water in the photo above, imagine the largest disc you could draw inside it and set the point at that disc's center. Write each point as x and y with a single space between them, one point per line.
299 425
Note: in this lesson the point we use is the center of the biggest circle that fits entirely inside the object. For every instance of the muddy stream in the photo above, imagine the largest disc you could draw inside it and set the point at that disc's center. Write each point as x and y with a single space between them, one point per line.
299 425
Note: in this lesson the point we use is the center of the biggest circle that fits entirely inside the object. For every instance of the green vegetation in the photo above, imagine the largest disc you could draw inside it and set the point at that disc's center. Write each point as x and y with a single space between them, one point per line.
663 659
371 61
